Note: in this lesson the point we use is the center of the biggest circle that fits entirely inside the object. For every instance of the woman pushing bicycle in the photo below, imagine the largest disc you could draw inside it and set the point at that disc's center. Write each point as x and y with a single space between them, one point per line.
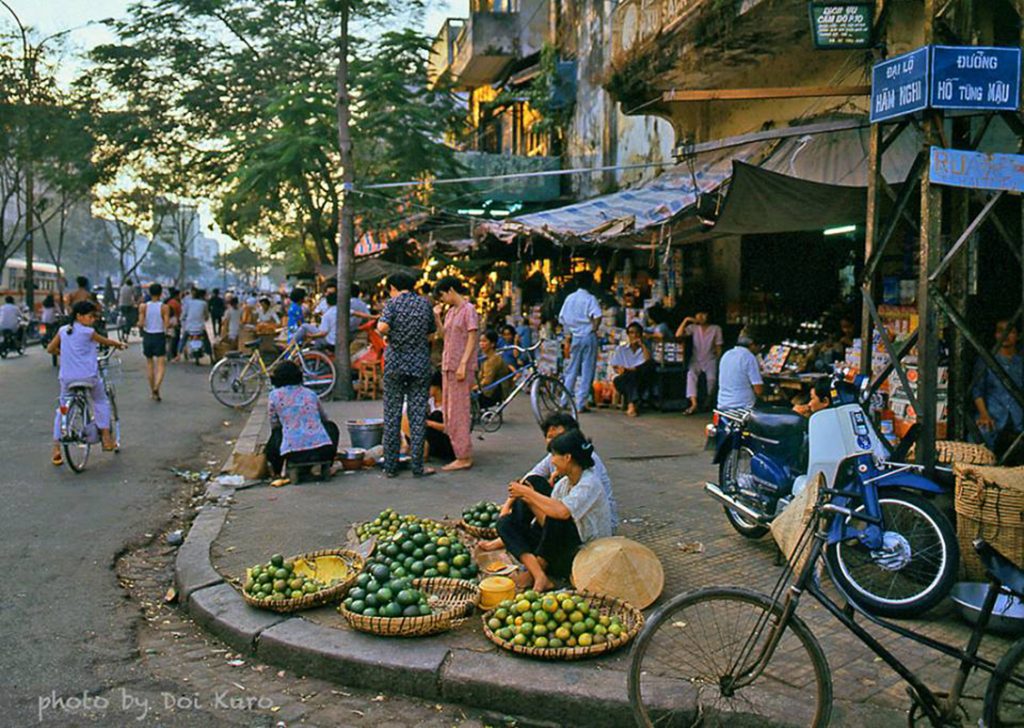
78 345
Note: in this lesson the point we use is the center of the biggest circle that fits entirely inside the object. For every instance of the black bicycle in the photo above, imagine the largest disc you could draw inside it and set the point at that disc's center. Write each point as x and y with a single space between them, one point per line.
728 656
547 394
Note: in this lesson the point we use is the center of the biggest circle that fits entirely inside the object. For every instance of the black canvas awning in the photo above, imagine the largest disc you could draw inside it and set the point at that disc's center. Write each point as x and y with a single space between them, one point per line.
761 201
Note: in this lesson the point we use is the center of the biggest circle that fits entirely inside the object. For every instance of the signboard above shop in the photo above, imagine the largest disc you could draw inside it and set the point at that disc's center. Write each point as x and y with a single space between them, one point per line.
975 77
978 78
977 171
841 26
899 85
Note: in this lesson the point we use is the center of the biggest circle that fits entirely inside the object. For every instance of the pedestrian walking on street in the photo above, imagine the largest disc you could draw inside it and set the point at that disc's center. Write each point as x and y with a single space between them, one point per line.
580 317
458 366
49 319
217 308
408 322
156 318
78 345
128 304
195 314
174 324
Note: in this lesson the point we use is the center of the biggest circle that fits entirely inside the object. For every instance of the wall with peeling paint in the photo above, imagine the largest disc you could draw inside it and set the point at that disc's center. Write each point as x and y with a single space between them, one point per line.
599 134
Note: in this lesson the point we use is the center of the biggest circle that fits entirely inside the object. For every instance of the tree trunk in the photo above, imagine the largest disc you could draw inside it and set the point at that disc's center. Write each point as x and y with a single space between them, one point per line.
181 267
346 243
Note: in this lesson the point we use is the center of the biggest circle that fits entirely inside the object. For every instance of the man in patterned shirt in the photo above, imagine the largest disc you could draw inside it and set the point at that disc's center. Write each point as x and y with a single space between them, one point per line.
407 321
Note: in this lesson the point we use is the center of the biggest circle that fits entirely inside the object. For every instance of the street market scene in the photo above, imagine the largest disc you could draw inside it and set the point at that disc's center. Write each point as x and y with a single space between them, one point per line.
512 363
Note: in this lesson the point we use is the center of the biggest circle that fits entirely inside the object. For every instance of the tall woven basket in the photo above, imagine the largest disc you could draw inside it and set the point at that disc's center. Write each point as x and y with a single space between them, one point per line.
989 505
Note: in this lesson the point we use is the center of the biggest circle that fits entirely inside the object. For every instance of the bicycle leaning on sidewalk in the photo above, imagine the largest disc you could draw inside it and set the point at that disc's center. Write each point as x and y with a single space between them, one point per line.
547 393
78 431
237 380
732 656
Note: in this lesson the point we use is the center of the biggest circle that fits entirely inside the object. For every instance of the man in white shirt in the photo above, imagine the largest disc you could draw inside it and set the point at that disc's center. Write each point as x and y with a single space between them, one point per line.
328 329
580 317
194 315
739 375
632 365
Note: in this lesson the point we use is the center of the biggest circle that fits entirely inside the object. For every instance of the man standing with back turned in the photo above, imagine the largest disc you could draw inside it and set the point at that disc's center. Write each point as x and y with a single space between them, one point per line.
580 317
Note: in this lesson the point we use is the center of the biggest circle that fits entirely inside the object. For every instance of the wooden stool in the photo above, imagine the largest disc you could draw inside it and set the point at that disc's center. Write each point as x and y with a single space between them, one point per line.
369 384
301 471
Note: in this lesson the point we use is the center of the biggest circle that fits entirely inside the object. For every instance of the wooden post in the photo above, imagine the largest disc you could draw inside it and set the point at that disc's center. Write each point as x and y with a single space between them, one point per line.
870 233
930 252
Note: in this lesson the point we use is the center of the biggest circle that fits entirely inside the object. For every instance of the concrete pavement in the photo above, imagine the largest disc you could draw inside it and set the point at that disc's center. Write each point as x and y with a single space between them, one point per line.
657 466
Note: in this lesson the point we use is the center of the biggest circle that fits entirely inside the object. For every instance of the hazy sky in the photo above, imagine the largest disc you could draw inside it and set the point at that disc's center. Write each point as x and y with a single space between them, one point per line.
52 16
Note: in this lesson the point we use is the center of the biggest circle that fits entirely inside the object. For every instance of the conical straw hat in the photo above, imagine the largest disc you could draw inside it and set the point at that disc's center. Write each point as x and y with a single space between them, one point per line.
618 567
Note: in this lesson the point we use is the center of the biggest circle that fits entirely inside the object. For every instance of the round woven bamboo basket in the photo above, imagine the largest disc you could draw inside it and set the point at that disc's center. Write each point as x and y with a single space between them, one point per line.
631 617
989 505
327 563
954 451
478 531
453 601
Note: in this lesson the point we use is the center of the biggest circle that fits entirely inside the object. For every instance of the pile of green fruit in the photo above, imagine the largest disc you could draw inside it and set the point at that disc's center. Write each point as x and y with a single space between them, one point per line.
276 580
379 593
418 550
482 515
387 524
552 621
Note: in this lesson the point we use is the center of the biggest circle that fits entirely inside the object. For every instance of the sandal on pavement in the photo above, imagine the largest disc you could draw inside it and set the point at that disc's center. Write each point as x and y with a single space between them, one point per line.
57 460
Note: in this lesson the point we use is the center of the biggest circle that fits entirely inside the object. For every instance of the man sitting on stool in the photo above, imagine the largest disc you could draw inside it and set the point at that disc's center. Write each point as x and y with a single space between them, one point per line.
633 367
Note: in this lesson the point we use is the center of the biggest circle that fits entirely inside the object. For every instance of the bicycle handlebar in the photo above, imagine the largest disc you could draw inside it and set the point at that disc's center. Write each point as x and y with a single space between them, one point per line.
521 350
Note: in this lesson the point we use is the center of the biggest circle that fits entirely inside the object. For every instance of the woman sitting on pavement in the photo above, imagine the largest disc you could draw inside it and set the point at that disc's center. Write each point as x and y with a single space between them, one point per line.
300 431
436 442
545 532
633 368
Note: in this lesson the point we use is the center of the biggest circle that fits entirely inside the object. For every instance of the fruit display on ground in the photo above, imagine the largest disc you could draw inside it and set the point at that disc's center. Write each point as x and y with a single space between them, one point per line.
416 550
483 515
277 580
552 620
387 524
378 592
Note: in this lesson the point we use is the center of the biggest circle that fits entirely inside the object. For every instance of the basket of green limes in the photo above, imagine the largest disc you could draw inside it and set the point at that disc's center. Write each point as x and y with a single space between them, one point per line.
303 582
562 625
481 520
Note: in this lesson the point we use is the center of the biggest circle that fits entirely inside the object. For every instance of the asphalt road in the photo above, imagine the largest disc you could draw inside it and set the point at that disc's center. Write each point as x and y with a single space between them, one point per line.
65 625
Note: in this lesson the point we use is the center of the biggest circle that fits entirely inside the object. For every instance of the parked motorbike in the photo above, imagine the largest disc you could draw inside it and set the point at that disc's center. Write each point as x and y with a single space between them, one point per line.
895 555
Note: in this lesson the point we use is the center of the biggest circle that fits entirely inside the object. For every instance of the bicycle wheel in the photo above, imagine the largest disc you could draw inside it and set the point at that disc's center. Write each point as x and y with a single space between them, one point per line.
1004 698
686 661
547 396
915 569
235 383
318 372
76 448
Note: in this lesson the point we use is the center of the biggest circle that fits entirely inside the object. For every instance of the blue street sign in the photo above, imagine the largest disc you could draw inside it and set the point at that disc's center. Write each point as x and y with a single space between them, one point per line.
899 85
977 171
975 77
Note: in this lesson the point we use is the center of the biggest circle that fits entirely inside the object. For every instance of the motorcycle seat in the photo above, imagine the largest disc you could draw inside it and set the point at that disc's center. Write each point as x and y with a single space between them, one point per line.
777 424
999 567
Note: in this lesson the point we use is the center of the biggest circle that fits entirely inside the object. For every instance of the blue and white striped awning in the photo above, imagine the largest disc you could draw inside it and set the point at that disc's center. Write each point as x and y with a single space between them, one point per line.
632 211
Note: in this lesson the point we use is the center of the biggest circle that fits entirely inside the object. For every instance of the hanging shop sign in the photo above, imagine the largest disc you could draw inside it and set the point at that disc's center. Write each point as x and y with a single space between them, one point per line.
975 77
899 85
976 170
841 26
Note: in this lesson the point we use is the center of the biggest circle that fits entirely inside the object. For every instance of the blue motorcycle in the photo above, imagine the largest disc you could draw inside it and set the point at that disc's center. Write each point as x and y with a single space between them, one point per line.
894 553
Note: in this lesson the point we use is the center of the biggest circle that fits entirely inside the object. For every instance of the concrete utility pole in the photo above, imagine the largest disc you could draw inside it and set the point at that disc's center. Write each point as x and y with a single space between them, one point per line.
346 242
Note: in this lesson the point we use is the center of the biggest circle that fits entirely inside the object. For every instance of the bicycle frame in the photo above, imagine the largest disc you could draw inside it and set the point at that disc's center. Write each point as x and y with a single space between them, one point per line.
523 383
935 707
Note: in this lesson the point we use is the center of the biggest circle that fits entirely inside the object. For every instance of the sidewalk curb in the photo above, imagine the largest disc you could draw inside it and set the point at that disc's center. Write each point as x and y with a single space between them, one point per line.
549 692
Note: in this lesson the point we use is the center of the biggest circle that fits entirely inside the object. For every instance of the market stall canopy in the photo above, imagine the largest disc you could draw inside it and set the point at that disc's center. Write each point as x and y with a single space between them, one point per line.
602 218
760 201
375 269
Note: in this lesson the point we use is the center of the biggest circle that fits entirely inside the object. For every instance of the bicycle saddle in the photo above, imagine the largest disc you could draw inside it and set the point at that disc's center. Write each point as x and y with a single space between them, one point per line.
252 344
80 384
999 567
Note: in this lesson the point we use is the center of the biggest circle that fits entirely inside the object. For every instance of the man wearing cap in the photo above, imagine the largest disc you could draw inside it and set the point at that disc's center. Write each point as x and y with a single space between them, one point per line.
739 374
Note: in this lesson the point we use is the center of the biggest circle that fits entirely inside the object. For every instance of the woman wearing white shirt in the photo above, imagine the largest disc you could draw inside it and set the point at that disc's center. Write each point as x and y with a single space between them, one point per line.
577 511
